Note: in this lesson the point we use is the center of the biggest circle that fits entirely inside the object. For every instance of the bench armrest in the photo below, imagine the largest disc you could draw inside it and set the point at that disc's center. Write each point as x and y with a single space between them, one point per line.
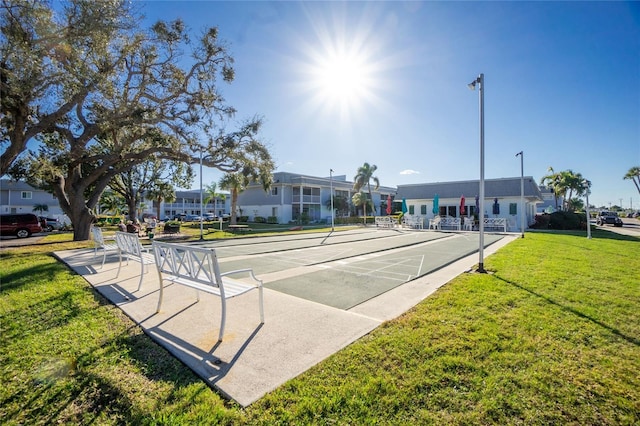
238 271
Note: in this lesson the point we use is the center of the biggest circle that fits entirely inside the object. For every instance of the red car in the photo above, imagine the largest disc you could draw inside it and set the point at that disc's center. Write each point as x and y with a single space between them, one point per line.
22 225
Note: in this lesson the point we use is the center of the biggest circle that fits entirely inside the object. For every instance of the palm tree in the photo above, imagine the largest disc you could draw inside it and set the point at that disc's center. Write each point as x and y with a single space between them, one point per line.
360 199
159 192
554 181
573 182
110 202
40 208
634 175
234 183
363 178
211 192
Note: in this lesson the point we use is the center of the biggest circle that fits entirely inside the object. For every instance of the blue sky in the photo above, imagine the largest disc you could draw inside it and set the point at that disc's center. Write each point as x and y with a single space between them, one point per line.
339 84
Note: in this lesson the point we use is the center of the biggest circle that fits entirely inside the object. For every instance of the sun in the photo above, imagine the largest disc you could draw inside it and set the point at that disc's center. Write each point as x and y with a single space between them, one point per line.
342 78
341 66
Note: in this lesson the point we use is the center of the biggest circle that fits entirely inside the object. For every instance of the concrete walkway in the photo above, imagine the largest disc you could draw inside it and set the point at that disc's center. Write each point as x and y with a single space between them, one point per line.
252 359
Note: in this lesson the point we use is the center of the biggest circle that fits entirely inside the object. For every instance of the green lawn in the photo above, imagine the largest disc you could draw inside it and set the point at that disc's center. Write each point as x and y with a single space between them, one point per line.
550 336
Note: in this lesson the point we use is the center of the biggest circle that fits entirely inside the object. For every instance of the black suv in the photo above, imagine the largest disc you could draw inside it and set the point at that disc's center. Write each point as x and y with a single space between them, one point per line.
610 218
20 225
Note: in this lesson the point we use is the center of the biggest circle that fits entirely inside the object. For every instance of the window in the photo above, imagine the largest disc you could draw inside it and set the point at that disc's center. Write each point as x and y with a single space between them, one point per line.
423 209
274 190
411 209
26 195
513 209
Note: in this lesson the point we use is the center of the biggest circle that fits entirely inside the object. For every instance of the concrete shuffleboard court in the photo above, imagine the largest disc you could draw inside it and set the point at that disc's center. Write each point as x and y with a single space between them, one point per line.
322 292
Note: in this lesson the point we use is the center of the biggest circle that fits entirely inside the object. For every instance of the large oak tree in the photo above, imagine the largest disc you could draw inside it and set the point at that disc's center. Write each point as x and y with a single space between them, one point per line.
111 97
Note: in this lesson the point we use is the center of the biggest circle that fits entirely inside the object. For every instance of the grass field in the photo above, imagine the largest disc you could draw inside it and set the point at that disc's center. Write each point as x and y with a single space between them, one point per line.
550 336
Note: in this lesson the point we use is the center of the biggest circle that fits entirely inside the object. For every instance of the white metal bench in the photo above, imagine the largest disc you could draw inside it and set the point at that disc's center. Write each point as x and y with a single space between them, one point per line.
495 222
386 222
198 268
450 222
129 246
99 243
435 222
415 222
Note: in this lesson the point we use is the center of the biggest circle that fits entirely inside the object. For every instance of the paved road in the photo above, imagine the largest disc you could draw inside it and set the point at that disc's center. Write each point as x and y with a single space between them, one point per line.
629 227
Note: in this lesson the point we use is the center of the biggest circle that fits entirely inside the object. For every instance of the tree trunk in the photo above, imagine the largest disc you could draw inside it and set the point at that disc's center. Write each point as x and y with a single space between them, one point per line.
364 208
234 201
82 225
131 206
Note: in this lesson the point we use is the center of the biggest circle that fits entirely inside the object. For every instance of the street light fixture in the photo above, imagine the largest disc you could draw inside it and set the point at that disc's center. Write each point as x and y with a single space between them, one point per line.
331 186
522 212
480 83
587 185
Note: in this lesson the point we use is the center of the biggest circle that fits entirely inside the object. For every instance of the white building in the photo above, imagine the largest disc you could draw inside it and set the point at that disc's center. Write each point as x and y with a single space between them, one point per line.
293 195
502 199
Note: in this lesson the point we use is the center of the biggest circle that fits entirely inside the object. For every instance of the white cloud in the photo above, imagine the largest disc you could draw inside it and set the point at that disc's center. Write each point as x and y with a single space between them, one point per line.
409 172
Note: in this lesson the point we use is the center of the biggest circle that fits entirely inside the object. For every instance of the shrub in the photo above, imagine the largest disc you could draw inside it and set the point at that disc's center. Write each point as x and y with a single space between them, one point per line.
541 221
304 217
259 219
243 218
272 219
566 220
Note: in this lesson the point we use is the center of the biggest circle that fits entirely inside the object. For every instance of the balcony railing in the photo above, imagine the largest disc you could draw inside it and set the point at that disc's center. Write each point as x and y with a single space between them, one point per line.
306 199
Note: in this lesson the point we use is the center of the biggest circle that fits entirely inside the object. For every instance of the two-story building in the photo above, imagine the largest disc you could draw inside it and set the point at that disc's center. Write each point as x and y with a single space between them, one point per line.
20 197
188 202
293 194
502 199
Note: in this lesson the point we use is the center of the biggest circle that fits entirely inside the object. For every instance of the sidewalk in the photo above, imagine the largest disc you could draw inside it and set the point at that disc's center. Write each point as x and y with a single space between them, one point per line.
252 359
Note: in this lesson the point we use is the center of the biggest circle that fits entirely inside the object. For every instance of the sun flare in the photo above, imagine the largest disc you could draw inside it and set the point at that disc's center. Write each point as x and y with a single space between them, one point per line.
342 77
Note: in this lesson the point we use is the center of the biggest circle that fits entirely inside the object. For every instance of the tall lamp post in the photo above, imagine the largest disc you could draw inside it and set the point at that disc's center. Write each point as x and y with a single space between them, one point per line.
331 186
522 212
480 83
201 237
587 185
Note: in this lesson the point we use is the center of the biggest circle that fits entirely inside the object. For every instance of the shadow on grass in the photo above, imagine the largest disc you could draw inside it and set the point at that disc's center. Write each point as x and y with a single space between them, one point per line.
615 331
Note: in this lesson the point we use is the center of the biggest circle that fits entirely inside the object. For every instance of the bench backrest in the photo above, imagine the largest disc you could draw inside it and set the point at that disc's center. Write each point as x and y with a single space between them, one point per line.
98 238
128 243
193 263
436 220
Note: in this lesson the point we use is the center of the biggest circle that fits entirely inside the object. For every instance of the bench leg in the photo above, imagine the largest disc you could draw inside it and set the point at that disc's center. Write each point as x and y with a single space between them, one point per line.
161 292
223 318
119 263
261 301
104 257
141 275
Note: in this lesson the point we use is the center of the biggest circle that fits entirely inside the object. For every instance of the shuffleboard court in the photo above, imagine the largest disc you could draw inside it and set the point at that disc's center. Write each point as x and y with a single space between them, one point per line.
313 253
346 283
261 245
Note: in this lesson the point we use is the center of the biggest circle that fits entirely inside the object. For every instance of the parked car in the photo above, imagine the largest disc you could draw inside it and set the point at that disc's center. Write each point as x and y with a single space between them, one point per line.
21 225
49 224
180 217
608 218
192 218
210 216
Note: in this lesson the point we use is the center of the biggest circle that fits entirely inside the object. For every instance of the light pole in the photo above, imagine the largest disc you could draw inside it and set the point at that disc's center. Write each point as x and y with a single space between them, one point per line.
480 83
331 186
522 212
587 185
201 237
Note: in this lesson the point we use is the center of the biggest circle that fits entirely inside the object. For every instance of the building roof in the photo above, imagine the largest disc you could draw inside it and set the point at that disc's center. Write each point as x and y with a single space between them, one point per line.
339 181
504 187
13 185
